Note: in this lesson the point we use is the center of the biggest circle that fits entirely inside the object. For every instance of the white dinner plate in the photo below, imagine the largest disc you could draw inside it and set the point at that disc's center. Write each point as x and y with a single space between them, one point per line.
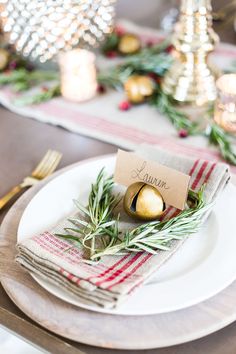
202 267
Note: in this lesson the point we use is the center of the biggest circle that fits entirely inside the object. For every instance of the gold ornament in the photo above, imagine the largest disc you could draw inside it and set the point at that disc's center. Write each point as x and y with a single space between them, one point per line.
4 58
142 201
138 88
190 78
129 44
41 29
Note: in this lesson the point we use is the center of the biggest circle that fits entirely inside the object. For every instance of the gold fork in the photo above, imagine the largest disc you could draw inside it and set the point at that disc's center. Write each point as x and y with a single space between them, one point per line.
46 166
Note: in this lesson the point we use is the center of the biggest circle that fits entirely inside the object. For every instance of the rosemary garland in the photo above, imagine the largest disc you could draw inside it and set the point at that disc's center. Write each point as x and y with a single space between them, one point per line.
98 230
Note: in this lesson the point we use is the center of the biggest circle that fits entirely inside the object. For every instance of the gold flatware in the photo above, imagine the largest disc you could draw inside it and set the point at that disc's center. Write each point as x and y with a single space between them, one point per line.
46 166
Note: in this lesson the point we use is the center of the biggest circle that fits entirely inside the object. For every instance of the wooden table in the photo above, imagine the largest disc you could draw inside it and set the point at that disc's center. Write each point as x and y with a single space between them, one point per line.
22 144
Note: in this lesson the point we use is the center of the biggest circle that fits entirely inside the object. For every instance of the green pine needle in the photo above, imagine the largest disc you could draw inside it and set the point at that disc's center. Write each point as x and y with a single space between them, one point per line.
180 120
22 79
218 137
97 225
142 63
40 97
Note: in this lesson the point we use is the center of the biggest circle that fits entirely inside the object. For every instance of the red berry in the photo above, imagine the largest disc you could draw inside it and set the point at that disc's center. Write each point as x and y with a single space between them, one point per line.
152 75
111 54
12 65
150 43
119 31
158 80
155 77
44 88
101 89
183 133
169 49
124 105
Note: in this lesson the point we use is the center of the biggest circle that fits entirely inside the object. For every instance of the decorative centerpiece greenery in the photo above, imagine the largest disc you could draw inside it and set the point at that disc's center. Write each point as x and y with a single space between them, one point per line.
151 61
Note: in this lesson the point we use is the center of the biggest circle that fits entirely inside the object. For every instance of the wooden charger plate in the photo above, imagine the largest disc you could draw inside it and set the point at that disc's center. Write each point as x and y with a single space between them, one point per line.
97 329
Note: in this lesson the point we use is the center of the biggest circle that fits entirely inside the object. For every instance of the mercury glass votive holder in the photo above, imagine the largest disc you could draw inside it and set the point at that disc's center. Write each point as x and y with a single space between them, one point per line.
225 105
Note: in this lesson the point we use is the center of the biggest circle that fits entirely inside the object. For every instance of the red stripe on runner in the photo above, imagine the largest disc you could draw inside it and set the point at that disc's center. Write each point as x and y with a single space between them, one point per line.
125 132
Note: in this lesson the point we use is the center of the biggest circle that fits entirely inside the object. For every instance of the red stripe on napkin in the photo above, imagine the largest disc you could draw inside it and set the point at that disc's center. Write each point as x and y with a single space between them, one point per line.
196 182
120 270
209 173
199 175
108 270
128 275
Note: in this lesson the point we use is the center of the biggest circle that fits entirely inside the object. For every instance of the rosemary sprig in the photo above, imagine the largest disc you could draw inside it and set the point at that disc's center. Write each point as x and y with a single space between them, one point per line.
40 97
158 235
180 120
96 226
218 137
22 79
112 41
142 63
146 62
114 77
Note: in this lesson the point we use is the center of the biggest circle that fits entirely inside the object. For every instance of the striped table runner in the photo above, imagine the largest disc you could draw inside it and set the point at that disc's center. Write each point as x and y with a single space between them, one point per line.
100 118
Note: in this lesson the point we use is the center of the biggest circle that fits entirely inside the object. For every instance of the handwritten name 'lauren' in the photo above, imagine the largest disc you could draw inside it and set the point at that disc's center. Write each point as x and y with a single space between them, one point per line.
140 174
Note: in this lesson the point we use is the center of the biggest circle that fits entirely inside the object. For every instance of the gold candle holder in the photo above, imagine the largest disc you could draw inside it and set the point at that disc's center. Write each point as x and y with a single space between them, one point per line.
190 78
78 75
225 105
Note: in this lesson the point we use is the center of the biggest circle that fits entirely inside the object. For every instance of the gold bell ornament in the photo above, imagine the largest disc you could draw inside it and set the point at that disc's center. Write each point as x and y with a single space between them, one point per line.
138 88
4 58
129 44
143 201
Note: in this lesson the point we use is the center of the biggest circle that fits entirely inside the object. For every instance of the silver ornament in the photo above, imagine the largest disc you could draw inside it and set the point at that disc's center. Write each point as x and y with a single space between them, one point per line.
40 29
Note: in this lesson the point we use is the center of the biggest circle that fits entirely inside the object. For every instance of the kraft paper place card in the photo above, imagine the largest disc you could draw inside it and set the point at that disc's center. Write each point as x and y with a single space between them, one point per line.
172 184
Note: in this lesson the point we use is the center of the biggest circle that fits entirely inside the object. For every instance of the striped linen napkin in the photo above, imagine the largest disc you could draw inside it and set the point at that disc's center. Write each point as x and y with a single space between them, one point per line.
110 281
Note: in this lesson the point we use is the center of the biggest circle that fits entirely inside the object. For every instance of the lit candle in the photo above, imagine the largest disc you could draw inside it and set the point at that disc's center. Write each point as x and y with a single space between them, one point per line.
225 106
78 75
